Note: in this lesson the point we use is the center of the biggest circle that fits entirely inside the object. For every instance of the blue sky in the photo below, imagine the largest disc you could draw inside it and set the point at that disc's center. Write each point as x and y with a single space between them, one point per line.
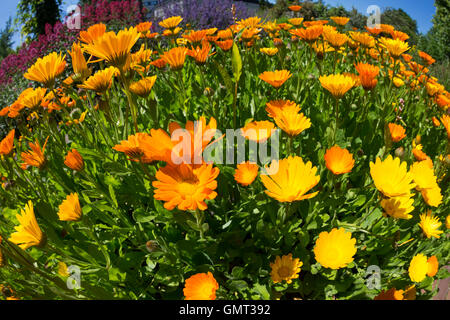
422 11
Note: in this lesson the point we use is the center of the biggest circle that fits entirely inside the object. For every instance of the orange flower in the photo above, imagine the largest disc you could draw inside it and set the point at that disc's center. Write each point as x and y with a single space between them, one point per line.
200 54
342 21
143 27
200 286
184 187
309 34
287 117
363 38
295 8
196 37
159 63
275 78
398 35
397 132
92 33
427 58
339 160
74 160
445 119
436 122
171 23
175 57
443 101
7 144
367 75
335 39
258 131
337 84
391 294
433 266
143 87
133 147
225 45
246 173
35 157
46 69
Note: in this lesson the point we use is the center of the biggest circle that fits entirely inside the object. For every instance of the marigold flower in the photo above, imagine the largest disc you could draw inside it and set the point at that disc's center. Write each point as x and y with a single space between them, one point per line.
295 21
92 33
398 82
309 34
79 64
432 196
427 58
363 38
287 117
290 179
171 22
159 63
269 51
391 177
200 54
28 233
143 87
433 266
315 23
398 207
35 157
418 268
145 26
251 22
285 268
196 37
391 294
114 48
398 35
430 225
337 84
397 132
423 175
225 45
295 8
70 209
342 21
335 39
447 222
394 47
33 98
133 147
101 81
175 57
246 173
7 144
443 101
445 119
367 75
275 78
184 187
46 69
200 286
335 249
339 160
258 131
74 160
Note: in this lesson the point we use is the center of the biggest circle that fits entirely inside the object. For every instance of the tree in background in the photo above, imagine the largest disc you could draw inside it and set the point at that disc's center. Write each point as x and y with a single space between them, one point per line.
402 22
34 15
6 39
437 41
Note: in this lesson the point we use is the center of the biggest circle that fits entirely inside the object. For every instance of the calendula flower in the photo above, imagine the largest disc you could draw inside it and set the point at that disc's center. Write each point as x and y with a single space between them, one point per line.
70 209
335 249
225 45
28 233
296 21
337 84
275 78
363 38
35 157
143 87
63 270
398 207
335 39
367 75
320 48
342 21
430 225
285 268
200 286
395 47
398 82
397 132
445 119
447 222
258 131
423 175
175 57
33 98
159 63
432 196
443 101
427 58
309 34
184 187
391 177
295 8
46 69
74 160
114 48
391 294
290 179
339 160
133 147
246 173
418 268
171 23
101 81
196 37
200 54
398 35
269 51
287 117
92 33
7 144
79 64
433 266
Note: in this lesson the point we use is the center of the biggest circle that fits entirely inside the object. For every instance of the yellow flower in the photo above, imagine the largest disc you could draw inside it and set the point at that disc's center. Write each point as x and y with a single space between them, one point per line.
79 63
430 225
114 48
269 51
143 87
339 160
335 249
432 196
447 222
200 286
275 78
246 173
63 271
258 131
398 82
175 57
445 119
418 268
309 34
398 207
337 84
28 233
391 177
70 209
92 33
33 98
171 23
101 80
46 69
287 117
395 47
285 268
290 179
335 39
363 38
423 175
295 21
342 21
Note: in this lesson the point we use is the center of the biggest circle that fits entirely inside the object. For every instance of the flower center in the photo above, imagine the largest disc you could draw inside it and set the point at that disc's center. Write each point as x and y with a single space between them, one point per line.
284 272
187 188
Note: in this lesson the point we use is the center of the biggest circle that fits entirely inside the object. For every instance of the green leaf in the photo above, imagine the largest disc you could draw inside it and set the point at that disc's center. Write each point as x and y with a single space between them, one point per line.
236 63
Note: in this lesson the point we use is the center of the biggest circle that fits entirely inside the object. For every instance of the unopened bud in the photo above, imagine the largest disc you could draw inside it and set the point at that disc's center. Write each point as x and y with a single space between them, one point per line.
400 152
152 246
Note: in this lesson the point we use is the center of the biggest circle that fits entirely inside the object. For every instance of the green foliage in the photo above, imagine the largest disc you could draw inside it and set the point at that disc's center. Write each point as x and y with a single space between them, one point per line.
6 39
33 15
